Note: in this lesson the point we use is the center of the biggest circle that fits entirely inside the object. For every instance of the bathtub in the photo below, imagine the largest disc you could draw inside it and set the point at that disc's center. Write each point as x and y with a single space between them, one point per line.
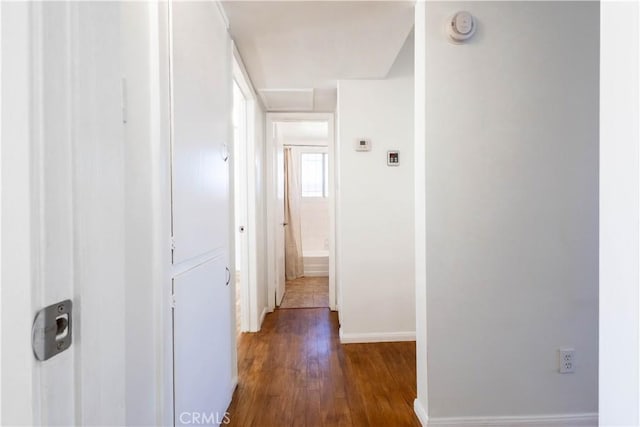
316 263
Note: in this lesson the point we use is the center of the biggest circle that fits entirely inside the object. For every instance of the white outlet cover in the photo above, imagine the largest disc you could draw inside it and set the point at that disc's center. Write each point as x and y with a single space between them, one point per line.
566 359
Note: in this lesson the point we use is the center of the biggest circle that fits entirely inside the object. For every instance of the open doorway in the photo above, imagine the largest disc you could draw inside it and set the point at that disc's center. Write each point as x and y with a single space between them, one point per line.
246 228
301 210
306 203
240 206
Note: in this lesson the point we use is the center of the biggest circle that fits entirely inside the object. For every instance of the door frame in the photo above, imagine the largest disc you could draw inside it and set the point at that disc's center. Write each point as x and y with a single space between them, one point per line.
161 94
250 311
239 196
272 227
18 202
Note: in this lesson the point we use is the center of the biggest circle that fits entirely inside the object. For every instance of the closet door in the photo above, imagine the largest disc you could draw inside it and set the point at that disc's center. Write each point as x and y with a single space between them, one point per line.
202 342
202 100
201 122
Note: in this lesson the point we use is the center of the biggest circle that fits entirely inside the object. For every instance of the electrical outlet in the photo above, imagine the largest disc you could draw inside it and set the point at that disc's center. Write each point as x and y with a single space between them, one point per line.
567 360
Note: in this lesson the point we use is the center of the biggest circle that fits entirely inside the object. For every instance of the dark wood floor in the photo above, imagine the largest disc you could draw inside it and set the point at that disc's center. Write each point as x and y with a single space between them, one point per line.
295 372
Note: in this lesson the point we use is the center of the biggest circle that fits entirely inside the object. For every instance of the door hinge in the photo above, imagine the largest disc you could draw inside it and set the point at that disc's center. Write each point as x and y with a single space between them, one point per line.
172 301
173 244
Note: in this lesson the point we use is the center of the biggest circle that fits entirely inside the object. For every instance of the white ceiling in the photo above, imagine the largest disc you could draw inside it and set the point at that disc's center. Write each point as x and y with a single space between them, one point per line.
295 51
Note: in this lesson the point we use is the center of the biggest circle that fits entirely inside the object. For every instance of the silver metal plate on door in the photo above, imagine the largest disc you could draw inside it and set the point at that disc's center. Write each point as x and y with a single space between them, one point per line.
51 331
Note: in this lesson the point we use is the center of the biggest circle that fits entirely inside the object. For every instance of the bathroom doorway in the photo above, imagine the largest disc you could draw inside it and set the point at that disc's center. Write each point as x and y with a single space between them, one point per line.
302 214
306 163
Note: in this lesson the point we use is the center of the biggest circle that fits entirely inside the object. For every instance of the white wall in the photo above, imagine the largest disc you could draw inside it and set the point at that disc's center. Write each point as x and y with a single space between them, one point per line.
314 224
375 206
619 401
511 210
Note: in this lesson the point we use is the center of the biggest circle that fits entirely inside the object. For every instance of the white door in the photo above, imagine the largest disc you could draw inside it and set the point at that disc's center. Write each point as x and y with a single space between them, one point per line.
58 279
68 241
280 222
201 89
201 121
202 342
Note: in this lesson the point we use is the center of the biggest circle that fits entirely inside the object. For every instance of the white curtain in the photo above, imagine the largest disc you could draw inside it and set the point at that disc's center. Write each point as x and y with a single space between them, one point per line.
294 267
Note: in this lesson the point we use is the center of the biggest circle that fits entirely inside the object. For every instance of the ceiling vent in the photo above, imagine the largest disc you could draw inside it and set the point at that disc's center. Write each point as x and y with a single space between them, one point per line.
287 99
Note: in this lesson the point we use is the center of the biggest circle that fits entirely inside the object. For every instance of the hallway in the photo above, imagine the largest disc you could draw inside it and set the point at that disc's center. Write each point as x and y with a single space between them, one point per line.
476 164
295 372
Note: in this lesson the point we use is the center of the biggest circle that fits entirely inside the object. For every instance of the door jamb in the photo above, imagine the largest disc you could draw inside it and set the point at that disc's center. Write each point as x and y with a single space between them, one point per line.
19 202
249 292
161 92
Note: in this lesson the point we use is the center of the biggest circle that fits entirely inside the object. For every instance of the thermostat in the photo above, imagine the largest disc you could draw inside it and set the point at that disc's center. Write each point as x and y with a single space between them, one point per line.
363 144
393 158
461 26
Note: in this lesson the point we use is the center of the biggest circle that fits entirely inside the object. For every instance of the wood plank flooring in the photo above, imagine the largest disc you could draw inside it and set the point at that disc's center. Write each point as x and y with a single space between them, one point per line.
295 372
306 292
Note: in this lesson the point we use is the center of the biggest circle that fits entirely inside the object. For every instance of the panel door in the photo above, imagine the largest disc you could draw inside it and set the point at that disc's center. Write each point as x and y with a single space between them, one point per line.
201 125
201 98
79 160
202 340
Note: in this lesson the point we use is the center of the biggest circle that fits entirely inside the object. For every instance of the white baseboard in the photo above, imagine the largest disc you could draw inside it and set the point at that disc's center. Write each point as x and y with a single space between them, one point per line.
421 412
264 313
563 420
376 337
316 273
232 389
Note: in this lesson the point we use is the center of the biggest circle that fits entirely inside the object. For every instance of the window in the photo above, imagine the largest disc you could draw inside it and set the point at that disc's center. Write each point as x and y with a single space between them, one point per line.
315 174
